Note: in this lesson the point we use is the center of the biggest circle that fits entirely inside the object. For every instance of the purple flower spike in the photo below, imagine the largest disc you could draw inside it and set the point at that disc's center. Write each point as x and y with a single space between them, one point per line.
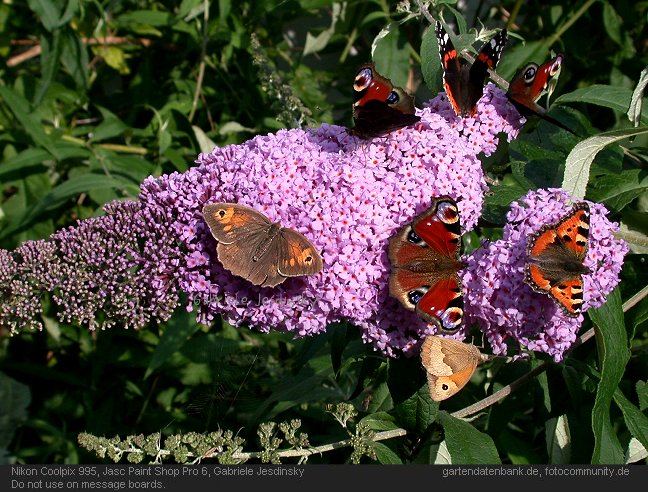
505 307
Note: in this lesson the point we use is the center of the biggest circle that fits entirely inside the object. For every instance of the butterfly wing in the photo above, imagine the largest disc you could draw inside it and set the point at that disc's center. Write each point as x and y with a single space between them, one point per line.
247 240
465 86
555 257
531 82
487 59
455 74
231 222
424 258
296 256
449 365
378 106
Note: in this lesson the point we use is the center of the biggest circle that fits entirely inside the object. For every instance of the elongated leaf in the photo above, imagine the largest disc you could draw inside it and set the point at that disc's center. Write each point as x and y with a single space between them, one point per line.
391 55
176 333
386 455
70 188
558 440
417 412
613 97
618 190
430 63
23 113
635 452
634 418
579 160
380 421
636 103
613 355
14 400
28 161
467 445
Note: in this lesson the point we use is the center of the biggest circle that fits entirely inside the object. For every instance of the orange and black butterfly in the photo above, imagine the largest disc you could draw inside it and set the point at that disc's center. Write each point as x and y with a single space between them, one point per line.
260 251
555 255
378 106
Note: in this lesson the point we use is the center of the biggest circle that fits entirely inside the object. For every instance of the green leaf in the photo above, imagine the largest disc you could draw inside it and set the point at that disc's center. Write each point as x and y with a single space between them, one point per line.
391 55
110 126
618 190
177 331
558 440
385 454
146 18
634 418
613 97
430 63
613 23
467 445
74 57
70 188
317 43
613 355
635 452
499 198
47 12
579 160
636 103
417 412
206 143
50 54
30 123
380 421
28 161
15 397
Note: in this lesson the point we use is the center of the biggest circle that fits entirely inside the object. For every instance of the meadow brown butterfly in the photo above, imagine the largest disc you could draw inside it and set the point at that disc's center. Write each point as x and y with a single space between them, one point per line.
251 246
449 365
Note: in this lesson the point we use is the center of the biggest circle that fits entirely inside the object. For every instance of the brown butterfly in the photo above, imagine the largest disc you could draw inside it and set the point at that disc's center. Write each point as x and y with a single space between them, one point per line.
449 365
253 247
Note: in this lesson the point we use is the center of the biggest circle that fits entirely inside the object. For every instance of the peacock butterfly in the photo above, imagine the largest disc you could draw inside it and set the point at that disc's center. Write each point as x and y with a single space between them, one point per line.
463 83
424 257
378 106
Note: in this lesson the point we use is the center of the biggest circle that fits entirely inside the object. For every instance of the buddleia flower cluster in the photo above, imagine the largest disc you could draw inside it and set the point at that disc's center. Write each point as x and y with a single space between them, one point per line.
506 308
348 196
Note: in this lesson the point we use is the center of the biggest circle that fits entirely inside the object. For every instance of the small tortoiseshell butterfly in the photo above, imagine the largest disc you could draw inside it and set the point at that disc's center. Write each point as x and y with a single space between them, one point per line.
555 255
425 259
529 84
463 83
378 106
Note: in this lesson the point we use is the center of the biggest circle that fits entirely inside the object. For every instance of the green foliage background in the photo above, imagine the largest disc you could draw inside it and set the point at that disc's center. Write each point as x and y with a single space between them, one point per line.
97 95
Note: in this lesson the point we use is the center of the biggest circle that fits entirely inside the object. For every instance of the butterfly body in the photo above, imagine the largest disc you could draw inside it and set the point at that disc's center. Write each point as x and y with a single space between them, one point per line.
464 84
257 249
555 255
425 259
378 106
449 365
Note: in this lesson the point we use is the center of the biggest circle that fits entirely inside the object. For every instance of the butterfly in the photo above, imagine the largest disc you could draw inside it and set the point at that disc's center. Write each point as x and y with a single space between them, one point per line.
529 84
463 83
424 257
449 365
378 106
260 251
555 254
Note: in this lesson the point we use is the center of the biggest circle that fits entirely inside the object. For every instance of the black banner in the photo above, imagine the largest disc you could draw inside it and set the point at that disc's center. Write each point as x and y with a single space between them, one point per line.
206 477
